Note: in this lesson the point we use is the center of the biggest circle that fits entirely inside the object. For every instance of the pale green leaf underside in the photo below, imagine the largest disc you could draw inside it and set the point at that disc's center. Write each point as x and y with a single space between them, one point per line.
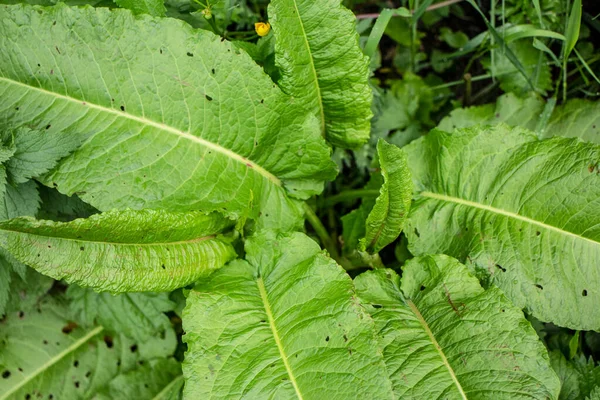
121 251
169 117
47 353
577 118
509 109
444 337
281 325
323 67
524 213
386 220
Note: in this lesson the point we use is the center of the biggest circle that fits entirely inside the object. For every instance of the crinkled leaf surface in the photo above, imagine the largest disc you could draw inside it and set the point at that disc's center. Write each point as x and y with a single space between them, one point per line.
120 251
323 67
444 337
524 213
354 223
43 352
386 220
169 117
509 109
577 118
281 324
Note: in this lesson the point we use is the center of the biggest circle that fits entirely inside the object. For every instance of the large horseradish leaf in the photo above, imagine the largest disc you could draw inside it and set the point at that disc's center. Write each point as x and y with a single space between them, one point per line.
282 324
445 337
170 117
323 67
523 212
121 251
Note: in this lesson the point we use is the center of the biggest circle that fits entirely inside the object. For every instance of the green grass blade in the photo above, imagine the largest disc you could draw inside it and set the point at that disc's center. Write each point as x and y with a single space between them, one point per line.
586 66
538 44
573 27
509 53
421 10
377 32
538 11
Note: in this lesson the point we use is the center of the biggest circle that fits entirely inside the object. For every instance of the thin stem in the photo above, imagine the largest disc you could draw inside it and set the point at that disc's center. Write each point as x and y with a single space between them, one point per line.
413 38
348 195
564 68
468 89
321 232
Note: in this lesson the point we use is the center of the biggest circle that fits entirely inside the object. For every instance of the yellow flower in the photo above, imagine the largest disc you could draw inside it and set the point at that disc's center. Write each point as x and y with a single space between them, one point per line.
262 28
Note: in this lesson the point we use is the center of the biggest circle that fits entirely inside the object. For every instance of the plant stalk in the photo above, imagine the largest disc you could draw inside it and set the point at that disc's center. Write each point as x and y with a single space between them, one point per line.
321 232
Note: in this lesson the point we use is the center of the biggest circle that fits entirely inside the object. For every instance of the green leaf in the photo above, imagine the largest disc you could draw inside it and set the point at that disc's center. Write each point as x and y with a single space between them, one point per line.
121 251
152 7
577 118
185 121
456 40
386 220
443 336
282 324
20 201
37 151
509 109
511 78
58 207
523 213
594 394
377 31
157 380
136 315
578 377
573 27
322 66
44 352
354 223
408 102
20 286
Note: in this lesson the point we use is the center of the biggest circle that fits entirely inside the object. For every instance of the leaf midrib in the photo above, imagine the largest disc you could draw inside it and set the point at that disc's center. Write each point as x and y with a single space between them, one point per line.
509 214
313 68
53 360
263 295
105 242
145 121
437 346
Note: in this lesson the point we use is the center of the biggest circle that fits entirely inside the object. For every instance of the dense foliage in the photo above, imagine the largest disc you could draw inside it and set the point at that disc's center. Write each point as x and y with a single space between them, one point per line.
343 201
